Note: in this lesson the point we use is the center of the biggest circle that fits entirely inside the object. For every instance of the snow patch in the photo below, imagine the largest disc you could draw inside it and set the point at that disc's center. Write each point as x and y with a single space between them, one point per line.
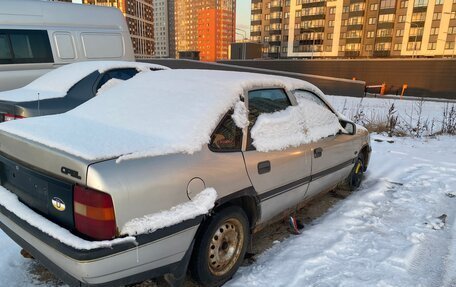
241 115
294 126
56 83
180 100
200 205
10 201
108 85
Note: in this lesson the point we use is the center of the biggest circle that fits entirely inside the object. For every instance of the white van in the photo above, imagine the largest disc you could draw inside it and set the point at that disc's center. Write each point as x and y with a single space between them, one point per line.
37 36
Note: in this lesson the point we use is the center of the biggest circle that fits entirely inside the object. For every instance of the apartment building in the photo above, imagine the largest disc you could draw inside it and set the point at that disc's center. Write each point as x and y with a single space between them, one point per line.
139 16
354 28
207 26
161 28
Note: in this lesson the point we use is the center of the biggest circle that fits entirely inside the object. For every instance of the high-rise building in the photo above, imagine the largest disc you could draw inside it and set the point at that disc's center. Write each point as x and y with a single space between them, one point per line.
354 28
161 28
207 26
139 16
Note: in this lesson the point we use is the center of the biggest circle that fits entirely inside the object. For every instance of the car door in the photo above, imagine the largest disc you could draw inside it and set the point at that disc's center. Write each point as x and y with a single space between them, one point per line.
279 177
332 157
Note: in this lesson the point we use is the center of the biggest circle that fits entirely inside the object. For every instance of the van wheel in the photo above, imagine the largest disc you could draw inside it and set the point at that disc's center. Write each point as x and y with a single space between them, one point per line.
220 247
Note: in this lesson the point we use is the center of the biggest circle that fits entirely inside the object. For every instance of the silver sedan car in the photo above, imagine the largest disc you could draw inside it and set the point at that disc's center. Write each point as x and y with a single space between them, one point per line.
169 172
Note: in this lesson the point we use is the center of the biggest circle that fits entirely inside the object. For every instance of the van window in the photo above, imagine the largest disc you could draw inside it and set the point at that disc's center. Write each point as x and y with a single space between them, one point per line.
99 45
5 51
65 46
24 46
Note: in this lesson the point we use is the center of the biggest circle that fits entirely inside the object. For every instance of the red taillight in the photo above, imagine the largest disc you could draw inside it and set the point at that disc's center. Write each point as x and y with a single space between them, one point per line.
10 117
94 213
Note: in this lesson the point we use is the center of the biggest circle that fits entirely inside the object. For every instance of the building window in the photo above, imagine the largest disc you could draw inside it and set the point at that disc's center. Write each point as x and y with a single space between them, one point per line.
404 4
421 3
397 47
438 2
332 10
416 31
437 16
434 31
341 48
402 18
329 36
399 32
451 30
414 46
357 7
368 48
331 23
382 46
386 18
328 48
387 4
432 45
370 34
449 45
346 9
372 21
384 32
374 7
419 17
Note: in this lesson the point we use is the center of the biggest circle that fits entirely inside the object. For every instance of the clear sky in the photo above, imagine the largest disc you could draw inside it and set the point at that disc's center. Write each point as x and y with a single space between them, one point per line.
242 17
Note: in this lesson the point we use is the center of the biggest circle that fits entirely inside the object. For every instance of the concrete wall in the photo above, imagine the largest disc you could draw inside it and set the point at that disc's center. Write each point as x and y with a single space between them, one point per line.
435 78
329 85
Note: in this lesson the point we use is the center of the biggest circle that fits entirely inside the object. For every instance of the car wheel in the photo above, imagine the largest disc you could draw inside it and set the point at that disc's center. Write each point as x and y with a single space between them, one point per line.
220 246
356 175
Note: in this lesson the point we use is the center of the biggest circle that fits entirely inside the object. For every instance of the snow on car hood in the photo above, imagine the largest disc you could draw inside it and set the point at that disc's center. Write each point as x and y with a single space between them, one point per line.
58 82
171 111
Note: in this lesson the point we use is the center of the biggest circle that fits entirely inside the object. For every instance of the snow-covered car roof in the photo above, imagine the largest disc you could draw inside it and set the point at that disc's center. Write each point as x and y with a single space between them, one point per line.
58 82
170 111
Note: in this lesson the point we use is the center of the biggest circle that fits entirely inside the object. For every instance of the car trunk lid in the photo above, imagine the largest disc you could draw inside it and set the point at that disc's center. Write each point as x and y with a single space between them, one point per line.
41 177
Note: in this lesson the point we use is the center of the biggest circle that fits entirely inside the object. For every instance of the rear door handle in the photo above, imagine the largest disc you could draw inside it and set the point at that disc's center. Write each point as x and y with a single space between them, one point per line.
264 167
318 152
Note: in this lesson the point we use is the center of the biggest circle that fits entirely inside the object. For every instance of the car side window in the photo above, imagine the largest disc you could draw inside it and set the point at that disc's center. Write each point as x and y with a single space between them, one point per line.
120 74
306 95
227 137
265 101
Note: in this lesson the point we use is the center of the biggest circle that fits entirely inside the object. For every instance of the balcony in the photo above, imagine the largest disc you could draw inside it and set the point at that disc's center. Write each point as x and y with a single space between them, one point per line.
257 33
275 32
381 54
387 11
356 13
354 27
275 20
276 9
312 29
417 38
255 22
314 4
357 1
385 25
420 9
311 42
257 11
313 17
352 54
384 39
352 40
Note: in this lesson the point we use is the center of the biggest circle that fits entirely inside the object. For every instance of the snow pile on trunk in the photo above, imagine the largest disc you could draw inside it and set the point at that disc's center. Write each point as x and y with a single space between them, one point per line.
58 82
398 230
294 126
200 205
164 112
10 201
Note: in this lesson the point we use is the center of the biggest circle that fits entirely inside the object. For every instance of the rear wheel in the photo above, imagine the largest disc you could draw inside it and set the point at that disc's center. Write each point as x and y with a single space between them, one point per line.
220 246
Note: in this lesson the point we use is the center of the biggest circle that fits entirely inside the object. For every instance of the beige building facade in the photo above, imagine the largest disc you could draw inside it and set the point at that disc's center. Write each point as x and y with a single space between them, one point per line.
354 28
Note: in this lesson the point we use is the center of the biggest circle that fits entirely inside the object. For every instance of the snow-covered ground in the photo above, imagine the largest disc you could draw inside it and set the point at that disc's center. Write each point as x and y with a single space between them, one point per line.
398 229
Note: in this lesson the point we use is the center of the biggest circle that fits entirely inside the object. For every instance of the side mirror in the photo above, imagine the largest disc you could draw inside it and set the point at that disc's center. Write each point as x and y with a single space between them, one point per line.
349 127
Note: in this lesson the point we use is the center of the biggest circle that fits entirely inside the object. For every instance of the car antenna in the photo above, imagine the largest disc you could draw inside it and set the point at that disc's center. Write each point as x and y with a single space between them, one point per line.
39 111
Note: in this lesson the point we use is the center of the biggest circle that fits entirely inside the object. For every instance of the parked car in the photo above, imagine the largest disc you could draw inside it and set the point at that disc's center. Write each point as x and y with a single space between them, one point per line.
170 171
38 36
67 87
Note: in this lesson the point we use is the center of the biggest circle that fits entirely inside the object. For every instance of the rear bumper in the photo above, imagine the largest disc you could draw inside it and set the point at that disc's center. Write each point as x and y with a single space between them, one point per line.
164 251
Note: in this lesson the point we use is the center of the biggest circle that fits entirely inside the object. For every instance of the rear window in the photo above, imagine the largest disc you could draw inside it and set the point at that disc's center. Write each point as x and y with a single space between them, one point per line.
24 46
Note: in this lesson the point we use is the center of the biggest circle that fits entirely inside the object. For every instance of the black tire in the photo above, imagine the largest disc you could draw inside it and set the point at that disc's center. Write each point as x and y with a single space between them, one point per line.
220 246
356 175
